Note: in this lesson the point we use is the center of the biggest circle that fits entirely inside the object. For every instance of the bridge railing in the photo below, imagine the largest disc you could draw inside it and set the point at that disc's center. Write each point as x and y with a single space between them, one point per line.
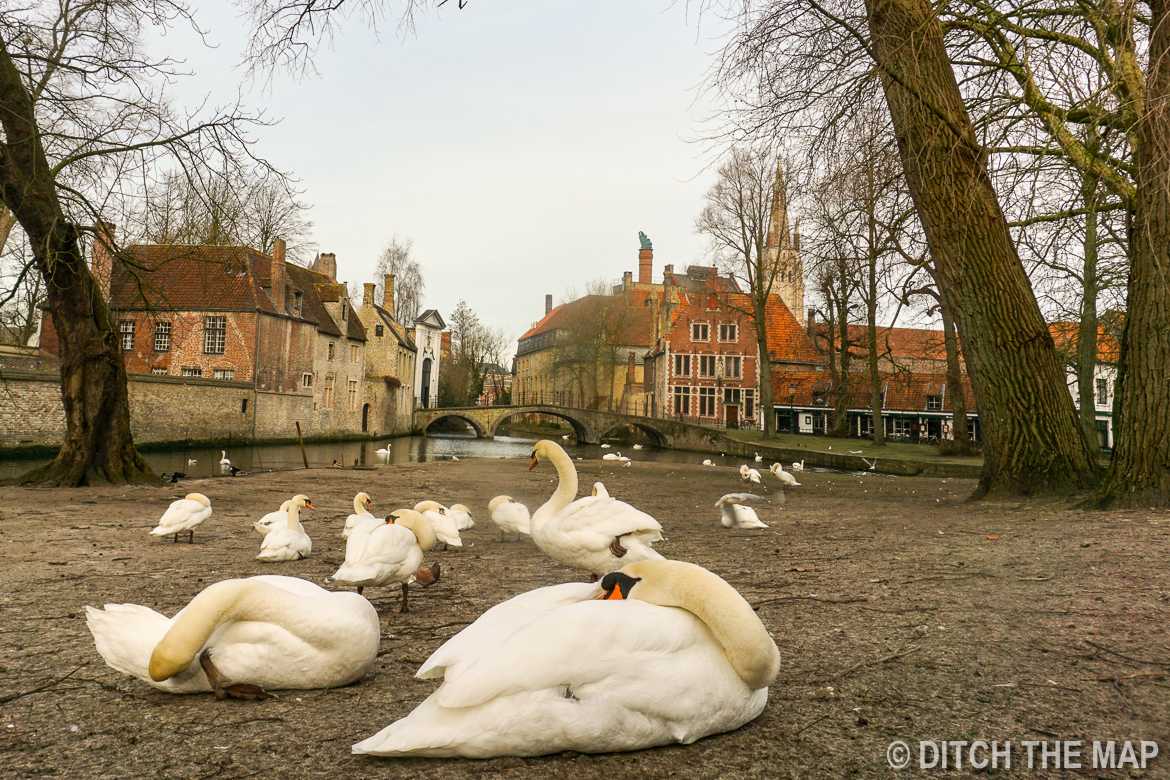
565 399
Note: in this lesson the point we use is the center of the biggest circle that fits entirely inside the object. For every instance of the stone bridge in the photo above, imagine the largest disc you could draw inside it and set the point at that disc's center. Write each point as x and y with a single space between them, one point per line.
589 425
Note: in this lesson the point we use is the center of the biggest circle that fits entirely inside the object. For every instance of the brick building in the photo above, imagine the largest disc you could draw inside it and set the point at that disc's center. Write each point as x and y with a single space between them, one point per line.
390 360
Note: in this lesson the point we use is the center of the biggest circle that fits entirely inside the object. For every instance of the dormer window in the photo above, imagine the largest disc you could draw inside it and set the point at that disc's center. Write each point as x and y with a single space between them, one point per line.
298 300
343 310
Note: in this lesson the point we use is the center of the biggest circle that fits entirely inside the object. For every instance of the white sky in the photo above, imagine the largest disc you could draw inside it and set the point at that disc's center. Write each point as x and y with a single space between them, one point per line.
522 144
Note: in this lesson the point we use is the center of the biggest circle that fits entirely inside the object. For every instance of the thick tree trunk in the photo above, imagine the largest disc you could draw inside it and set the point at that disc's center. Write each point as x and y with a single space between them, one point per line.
98 446
765 410
841 382
1139 473
959 431
1032 439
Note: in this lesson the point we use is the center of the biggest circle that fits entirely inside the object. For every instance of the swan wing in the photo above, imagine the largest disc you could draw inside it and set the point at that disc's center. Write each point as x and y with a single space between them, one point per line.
607 517
181 515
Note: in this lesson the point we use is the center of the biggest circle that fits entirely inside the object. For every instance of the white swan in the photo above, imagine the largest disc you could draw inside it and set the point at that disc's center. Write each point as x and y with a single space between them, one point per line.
784 476
758 458
605 446
392 552
637 446
223 458
708 462
290 543
735 514
510 516
361 514
383 451
462 516
660 652
596 533
184 515
749 475
442 522
273 520
260 632
612 456
599 490
798 466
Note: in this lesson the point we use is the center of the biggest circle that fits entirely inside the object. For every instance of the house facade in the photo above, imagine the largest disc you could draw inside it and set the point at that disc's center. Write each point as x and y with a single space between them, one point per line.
428 339
390 361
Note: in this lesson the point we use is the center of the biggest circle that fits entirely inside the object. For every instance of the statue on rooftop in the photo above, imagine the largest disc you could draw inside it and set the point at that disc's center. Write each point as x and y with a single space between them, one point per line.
645 241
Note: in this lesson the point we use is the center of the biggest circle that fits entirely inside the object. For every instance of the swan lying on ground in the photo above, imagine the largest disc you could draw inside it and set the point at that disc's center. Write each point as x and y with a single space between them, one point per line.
290 543
273 520
240 637
660 652
596 533
184 515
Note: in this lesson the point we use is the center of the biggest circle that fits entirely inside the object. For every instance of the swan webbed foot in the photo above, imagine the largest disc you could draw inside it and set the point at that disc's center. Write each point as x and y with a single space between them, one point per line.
360 589
224 689
616 548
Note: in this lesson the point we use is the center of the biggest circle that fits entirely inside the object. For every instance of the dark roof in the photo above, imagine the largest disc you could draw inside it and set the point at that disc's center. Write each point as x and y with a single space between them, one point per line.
422 317
635 321
168 276
399 331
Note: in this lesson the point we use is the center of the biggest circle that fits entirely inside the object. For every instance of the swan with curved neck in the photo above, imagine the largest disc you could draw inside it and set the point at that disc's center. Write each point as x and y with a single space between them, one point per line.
392 552
238 637
597 533
361 515
659 652
186 514
290 543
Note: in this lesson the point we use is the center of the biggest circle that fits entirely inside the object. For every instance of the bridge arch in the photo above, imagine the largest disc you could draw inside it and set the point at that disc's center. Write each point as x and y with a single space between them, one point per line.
480 431
656 437
581 430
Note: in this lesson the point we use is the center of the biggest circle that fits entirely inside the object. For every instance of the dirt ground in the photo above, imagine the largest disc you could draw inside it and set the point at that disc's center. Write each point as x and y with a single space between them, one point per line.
901 612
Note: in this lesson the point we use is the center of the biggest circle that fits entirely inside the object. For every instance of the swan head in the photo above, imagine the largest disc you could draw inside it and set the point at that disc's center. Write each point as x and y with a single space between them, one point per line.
418 525
544 450
743 469
461 508
301 500
497 502
202 499
362 501
430 506
599 490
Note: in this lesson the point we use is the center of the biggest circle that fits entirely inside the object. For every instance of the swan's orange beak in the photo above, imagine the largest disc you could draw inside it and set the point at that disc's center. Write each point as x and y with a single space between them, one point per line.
368 504
533 465
309 505
615 595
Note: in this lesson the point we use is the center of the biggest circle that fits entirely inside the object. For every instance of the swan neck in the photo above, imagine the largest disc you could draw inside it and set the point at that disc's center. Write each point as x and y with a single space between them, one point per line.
422 531
294 517
566 489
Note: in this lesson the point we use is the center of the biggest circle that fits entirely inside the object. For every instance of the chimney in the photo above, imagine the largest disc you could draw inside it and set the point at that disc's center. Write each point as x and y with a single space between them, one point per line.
547 304
627 280
645 264
327 264
279 277
388 293
812 322
102 255
368 294
667 295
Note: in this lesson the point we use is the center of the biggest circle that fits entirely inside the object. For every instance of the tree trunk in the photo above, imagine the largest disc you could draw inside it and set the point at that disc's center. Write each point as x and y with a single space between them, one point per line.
1139 473
98 446
877 422
841 382
764 362
1087 330
1032 439
959 432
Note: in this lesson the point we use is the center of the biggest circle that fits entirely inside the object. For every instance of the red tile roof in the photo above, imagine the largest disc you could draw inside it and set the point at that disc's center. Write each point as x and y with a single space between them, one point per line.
1065 335
902 391
634 322
188 277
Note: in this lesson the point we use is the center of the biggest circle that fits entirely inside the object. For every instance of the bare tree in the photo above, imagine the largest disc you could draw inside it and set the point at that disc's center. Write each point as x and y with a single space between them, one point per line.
82 119
409 285
474 348
591 343
746 202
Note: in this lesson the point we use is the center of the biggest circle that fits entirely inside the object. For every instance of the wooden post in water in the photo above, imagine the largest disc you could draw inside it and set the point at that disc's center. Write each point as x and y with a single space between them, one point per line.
301 442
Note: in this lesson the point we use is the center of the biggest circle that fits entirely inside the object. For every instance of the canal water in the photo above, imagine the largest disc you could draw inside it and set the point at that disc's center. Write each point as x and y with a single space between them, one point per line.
205 461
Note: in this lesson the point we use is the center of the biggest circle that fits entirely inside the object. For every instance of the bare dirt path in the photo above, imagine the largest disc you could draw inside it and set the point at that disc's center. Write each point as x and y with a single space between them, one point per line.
901 613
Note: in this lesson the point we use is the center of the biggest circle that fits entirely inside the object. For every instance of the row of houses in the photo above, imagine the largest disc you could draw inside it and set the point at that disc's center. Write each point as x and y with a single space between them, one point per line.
284 342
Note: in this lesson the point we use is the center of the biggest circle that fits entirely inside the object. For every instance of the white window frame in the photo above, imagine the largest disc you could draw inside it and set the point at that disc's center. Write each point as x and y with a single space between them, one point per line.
707 400
728 332
737 362
214 334
126 335
227 374
682 397
162 337
192 371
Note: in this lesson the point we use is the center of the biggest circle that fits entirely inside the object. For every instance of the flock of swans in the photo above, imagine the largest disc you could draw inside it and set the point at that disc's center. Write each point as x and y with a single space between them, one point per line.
650 651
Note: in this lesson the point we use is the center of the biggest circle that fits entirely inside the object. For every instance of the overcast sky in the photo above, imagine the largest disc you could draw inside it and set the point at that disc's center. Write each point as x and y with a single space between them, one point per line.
522 144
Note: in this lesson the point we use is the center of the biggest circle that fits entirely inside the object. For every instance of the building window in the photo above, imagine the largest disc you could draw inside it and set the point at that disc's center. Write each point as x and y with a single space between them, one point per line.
214 335
700 331
934 403
682 400
192 371
243 406
306 380
706 365
343 308
162 337
354 355
898 426
378 331
126 331
224 373
298 301
682 365
749 404
327 396
731 395
1102 392
706 401
330 350
353 393
158 370
728 332
733 367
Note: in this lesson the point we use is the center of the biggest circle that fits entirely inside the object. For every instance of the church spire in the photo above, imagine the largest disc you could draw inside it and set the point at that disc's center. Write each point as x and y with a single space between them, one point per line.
778 224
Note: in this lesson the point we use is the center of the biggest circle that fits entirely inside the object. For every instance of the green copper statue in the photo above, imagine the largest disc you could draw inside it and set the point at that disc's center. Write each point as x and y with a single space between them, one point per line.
645 241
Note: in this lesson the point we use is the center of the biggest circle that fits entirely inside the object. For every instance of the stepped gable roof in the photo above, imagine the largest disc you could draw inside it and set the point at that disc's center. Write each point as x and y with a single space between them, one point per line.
903 391
787 339
173 276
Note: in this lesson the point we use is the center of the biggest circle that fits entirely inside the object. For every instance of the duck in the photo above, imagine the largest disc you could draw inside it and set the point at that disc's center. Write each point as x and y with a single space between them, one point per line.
510 516
241 637
749 475
223 459
184 515
784 476
735 514
612 456
462 516
273 520
361 514
392 552
290 543
597 533
336 465
657 653
444 524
